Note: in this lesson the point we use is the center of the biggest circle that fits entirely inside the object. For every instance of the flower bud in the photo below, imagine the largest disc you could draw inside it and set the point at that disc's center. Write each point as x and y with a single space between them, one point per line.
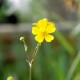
21 38
10 78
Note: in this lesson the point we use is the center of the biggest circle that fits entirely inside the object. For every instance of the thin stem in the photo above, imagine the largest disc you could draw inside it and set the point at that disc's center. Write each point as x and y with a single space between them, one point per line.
30 70
35 51
30 62
26 51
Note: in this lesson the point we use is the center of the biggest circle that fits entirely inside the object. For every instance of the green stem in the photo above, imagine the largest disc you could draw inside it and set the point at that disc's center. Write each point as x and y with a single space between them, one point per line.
30 69
35 51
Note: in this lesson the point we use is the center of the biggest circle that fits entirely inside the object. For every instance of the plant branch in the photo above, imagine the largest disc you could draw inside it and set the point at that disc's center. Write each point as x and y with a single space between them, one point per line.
35 51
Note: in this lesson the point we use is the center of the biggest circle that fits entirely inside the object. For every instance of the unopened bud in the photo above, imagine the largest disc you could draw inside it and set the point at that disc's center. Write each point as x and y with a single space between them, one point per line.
21 38
10 78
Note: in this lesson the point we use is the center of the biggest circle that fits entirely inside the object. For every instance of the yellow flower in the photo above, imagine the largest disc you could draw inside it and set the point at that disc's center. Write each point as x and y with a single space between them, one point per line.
42 30
10 78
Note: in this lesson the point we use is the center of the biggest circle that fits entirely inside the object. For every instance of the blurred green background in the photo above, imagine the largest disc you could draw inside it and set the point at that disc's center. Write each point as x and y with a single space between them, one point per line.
58 60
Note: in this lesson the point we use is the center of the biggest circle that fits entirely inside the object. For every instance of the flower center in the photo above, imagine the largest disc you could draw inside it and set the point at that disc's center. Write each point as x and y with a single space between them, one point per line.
44 33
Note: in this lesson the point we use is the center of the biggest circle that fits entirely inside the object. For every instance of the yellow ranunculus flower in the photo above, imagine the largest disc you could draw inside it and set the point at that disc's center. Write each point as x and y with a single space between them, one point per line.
10 78
42 30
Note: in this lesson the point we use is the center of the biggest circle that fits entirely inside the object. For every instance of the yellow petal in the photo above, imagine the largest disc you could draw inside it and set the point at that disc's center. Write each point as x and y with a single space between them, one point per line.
49 37
42 24
39 38
50 27
35 30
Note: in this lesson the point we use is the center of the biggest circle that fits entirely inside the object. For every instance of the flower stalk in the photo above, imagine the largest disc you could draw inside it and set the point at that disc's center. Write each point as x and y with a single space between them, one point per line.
35 51
30 67
30 61
42 31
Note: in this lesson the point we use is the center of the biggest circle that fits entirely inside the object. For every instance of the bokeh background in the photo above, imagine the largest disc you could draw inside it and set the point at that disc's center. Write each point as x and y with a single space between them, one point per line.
58 60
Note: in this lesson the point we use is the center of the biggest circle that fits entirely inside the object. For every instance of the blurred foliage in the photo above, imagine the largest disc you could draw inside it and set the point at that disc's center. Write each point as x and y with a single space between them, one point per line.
58 60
